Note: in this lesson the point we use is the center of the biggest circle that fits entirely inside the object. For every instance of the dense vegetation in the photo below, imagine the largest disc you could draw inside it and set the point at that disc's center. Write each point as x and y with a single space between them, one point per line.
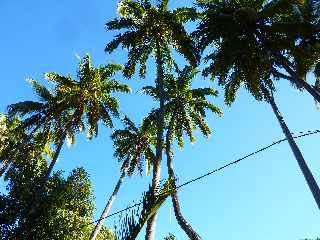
246 43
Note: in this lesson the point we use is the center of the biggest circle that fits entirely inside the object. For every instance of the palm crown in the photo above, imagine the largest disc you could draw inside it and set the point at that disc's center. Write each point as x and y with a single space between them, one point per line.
75 104
185 107
253 39
133 145
146 27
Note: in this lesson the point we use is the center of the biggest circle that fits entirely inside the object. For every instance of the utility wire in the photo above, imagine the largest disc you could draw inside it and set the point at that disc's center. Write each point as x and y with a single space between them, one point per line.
302 134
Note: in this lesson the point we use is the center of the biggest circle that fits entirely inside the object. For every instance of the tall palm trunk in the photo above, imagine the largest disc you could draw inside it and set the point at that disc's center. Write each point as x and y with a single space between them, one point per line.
107 208
151 226
186 227
297 153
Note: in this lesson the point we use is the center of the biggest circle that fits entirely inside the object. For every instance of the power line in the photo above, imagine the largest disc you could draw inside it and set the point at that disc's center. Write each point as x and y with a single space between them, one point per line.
302 134
246 156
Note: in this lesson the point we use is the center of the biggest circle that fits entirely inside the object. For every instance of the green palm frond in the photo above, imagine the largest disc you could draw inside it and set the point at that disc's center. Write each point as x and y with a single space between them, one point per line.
111 69
130 8
114 86
150 91
185 14
134 220
273 32
133 146
25 107
185 107
74 105
146 26
66 81
42 92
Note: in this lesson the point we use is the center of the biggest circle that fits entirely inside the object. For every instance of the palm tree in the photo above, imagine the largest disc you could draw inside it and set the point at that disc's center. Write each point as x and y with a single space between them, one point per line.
314 188
132 222
185 110
152 29
73 105
132 145
259 39
253 44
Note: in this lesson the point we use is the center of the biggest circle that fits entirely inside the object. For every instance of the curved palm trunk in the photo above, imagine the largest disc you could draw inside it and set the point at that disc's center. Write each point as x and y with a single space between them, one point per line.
297 153
151 226
107 208
186 227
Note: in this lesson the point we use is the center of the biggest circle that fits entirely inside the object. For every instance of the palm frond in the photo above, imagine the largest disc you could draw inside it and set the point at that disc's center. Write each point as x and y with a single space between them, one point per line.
42 92
185 14
25 107
134 220
128 8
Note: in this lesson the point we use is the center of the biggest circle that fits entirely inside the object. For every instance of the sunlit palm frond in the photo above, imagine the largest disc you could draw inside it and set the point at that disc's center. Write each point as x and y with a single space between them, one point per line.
147 26
134 220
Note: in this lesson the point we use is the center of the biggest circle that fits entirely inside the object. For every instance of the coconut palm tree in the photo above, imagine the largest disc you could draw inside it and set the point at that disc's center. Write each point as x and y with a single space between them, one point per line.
256 40
314 188
254 43
72 106
152 29
185 111
132 146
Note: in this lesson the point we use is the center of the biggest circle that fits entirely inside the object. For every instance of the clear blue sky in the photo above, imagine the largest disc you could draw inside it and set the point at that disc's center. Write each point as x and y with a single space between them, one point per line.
264 198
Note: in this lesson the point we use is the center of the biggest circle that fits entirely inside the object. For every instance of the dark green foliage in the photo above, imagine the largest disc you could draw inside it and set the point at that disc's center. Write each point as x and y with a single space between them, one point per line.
146 26
252 40
15 143
133 145
134 220
67 203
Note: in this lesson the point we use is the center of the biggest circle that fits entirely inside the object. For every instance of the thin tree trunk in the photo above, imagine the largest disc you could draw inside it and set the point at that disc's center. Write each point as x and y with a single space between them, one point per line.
186 227
39 191
151 226
107 208
297 153
5 165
